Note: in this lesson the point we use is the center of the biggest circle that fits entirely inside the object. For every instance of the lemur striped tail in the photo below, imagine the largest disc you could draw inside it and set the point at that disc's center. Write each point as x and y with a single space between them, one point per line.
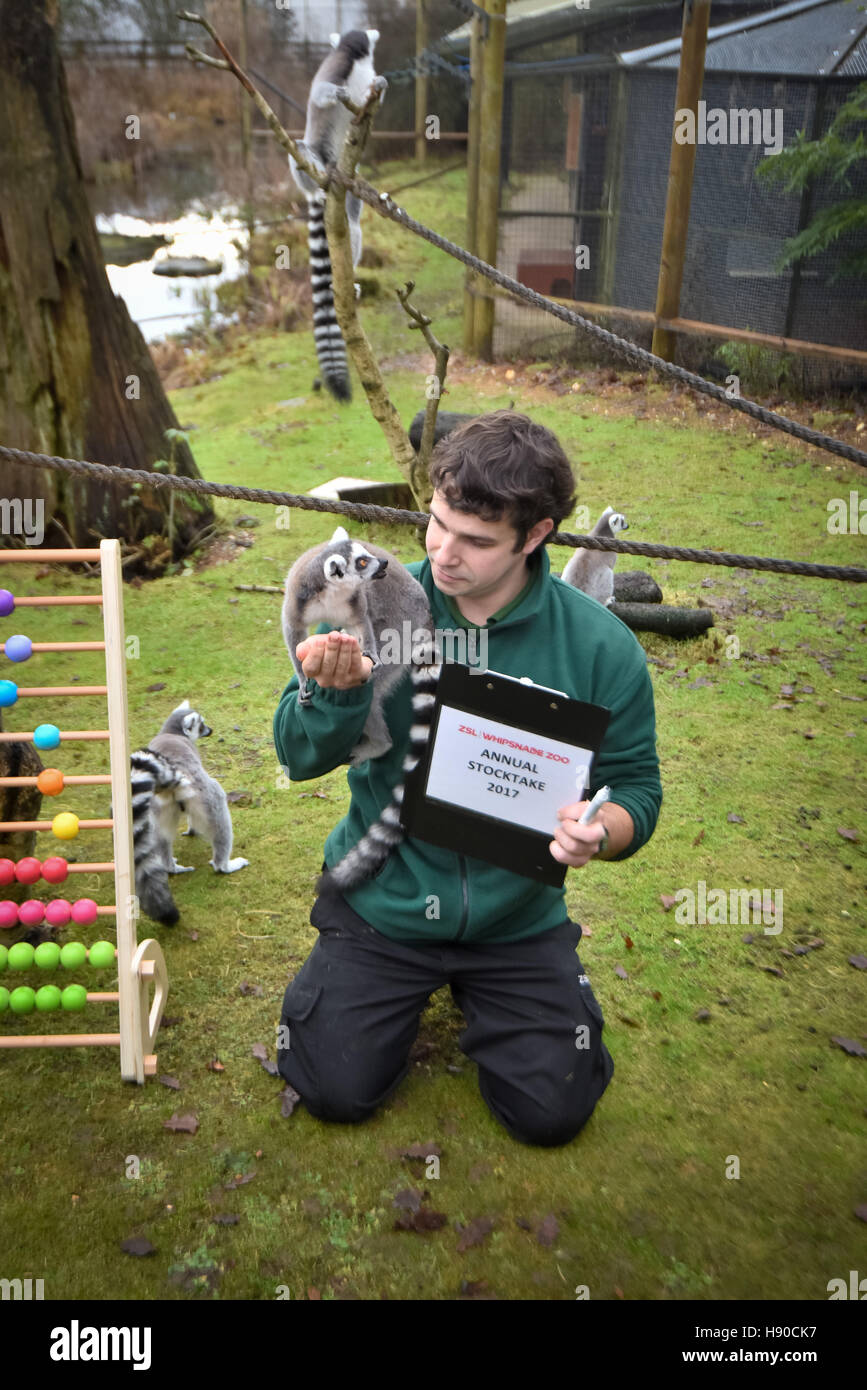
330 347
150 773
372 850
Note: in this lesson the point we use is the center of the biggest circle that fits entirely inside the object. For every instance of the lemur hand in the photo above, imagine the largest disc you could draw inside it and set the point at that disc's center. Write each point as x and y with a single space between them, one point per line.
334 661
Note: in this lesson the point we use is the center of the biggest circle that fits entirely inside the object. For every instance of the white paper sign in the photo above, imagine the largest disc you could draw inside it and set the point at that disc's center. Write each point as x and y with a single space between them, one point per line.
482 765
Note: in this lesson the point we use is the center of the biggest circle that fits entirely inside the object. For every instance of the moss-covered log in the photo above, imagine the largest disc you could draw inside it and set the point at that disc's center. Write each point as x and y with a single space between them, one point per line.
658 617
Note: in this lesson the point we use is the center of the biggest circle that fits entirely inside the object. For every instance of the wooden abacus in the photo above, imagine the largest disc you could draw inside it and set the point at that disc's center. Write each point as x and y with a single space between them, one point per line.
140 967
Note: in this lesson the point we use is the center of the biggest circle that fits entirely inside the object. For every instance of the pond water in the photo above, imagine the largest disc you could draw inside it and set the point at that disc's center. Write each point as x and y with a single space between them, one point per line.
182 200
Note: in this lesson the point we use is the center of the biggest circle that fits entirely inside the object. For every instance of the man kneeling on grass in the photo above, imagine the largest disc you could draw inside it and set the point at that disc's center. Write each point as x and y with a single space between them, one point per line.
502 942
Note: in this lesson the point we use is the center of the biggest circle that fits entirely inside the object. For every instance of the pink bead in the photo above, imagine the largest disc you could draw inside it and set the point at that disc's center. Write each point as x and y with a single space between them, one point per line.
58 912
28 871
84 911
31 913
8 914
7 872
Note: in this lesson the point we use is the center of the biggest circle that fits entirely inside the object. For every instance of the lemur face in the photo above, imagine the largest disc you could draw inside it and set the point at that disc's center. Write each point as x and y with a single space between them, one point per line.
195 727
353 564
617 521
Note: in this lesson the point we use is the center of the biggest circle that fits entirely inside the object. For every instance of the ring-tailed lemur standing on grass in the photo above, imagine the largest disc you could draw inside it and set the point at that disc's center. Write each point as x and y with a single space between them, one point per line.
348 71
364 591
592 571
168 780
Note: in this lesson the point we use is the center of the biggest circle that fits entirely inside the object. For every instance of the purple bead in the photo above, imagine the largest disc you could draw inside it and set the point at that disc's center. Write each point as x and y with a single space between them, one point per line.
18 648
7 603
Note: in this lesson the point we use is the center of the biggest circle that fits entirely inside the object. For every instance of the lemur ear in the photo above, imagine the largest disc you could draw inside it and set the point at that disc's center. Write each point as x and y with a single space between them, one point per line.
184 705
334 40
372 36
340 534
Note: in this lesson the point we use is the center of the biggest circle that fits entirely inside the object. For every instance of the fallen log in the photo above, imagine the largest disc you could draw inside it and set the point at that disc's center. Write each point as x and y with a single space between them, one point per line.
659 617
636 586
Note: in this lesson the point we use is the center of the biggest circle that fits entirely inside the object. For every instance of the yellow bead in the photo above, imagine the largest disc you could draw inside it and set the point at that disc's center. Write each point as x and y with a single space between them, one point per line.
65 825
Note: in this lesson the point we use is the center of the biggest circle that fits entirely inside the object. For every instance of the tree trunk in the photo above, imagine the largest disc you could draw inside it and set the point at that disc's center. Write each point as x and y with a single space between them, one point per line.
636 586
76 376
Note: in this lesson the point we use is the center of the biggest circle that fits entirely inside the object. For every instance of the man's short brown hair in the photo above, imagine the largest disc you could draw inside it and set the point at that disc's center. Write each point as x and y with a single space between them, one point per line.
501 464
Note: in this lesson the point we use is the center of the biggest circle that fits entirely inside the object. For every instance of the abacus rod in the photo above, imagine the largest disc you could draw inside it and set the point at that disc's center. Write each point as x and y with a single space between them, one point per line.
62 647
63 1040
112 997
73 734
57 600
97 779
30 690
54 557
46 825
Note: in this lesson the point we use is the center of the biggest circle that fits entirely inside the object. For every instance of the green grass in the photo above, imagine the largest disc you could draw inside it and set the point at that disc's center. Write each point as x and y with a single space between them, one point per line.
643 1207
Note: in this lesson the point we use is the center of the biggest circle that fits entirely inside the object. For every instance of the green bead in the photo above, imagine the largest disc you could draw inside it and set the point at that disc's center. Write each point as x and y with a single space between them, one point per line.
73 955
22 1000
21 956
48 999
74 997
4 957
101 954
4 999
47 955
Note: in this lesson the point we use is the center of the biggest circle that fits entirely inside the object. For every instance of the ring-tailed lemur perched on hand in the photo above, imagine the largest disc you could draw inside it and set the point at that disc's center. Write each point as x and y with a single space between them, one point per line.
168 779
348 71
592 571
364 591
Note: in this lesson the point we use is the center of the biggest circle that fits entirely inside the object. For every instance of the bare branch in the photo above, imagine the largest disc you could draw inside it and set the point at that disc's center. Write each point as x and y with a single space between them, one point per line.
441 361
228 63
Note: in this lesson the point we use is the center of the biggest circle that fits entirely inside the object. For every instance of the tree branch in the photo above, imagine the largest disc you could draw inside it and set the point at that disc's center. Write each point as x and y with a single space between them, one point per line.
343 286
441 360
228 64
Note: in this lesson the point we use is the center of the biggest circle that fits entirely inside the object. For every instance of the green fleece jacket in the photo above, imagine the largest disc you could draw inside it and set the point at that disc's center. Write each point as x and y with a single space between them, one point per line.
564 640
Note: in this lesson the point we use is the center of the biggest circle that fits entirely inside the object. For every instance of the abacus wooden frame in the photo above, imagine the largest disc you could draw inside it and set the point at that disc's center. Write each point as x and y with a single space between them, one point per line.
139 966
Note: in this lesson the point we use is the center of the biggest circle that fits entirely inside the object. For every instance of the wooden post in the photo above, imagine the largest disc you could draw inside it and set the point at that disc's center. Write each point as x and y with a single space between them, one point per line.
471 280
490 127
420 80
245 141
696 16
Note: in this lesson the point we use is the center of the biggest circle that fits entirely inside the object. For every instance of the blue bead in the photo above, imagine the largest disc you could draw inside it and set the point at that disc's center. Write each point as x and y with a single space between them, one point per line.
7 603
8 693
18 648
46 736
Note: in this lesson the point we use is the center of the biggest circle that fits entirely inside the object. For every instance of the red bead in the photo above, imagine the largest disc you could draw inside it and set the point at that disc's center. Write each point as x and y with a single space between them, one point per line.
7 872
8 914
84 911
28 870
31 913
55 870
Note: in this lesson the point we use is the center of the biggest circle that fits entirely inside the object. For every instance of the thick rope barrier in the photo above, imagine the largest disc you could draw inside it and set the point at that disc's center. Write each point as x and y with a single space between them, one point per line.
386 207
368 512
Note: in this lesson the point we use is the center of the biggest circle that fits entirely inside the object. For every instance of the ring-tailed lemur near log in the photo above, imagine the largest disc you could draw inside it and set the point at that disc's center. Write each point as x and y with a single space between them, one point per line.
348 71
592 571
364 591
168 780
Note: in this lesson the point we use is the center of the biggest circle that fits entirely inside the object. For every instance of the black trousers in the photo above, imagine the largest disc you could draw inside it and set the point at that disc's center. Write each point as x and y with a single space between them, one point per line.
534 1027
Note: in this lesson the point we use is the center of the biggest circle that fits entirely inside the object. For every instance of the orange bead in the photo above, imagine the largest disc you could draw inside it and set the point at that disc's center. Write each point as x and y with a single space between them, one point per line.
50 782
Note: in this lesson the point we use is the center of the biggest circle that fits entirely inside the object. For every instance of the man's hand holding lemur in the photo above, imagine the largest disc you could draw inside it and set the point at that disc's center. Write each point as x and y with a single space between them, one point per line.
334 661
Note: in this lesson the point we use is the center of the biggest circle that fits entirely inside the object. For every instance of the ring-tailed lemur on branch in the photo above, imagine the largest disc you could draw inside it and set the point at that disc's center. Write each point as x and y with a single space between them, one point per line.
364 591
592 571
348 71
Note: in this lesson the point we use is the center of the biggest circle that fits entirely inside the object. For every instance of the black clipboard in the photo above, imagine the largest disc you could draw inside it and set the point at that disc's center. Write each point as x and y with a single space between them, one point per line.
532 710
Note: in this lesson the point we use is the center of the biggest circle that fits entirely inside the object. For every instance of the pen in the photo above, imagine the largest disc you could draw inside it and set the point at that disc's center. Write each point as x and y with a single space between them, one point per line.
599 800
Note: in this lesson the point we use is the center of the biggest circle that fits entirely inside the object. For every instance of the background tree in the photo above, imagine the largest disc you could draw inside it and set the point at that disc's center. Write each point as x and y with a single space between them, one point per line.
76 376
834 157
